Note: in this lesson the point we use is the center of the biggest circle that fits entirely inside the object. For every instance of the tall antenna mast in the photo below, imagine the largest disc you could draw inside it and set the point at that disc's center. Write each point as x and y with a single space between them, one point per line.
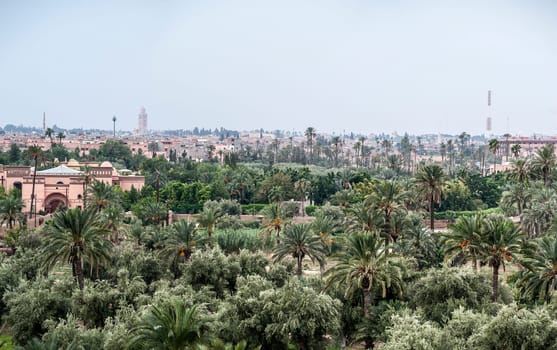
44 121
488 121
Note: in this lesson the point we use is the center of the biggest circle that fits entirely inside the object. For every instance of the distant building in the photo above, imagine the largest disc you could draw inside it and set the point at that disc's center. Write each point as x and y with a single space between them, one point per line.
63 186
142 122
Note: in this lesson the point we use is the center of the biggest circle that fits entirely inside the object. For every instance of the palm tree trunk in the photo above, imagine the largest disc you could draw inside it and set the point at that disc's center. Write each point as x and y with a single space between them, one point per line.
495 281
431 209
33 190
299 259
474 262
367 302
78 271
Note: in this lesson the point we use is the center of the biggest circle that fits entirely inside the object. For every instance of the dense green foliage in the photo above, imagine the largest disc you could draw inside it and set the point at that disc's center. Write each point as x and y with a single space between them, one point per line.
249 269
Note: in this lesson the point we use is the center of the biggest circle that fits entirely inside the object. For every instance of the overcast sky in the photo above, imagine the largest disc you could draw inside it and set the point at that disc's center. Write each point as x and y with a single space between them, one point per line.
356 65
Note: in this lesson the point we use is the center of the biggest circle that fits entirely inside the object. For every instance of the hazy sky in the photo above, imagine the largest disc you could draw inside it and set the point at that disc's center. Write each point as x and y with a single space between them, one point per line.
356 65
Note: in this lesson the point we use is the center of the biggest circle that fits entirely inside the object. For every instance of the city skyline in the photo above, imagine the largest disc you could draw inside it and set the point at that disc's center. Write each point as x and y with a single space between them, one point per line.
350 65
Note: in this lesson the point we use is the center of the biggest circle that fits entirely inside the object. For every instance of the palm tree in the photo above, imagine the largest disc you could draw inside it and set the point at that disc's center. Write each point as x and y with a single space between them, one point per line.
170 327
539 279
363 218
335 142
515 199
35 152
137 232
515 150
387 197
500 242
430 179
50 134
76 236
302 187
364 266
181 241
113 215
153 212
87 178
494 147
299 242
545 161
208 218
10 210
537 217
61 136
274 218
520 172
463 239
310 135
100 194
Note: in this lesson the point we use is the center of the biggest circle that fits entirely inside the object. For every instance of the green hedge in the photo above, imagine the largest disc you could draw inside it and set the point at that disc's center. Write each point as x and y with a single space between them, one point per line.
453 215
250 209
310 209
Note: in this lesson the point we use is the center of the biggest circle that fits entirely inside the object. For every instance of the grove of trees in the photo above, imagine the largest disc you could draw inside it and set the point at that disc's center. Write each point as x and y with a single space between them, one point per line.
390 256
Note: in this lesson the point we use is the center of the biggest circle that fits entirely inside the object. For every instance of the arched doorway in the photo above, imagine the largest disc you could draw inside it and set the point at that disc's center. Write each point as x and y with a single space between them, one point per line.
55 201
18 185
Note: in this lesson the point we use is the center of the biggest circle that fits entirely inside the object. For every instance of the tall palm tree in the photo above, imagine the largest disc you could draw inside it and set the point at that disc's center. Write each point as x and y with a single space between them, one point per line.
10 210
500 242
208 218
86 177
520 172
537 217
539 278
494 147
545 161
100 194
76 236
274 219
310 135
515 150
387 197
364 266
515 199
170 327
61 136
363 218
299 242
50 134
430 180
113 215
35 152
302 187
464 238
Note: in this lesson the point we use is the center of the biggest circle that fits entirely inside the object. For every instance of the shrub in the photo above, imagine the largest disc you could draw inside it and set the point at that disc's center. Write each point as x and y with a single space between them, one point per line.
68 334
515 328
255 224
311 209
232 241
32 303
440 292
252 209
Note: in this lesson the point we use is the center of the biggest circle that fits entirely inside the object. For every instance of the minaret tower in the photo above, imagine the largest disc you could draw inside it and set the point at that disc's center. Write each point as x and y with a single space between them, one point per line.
142 122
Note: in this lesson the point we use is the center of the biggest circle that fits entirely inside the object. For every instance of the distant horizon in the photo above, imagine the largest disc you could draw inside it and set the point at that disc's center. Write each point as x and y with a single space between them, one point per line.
373 67
300 132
